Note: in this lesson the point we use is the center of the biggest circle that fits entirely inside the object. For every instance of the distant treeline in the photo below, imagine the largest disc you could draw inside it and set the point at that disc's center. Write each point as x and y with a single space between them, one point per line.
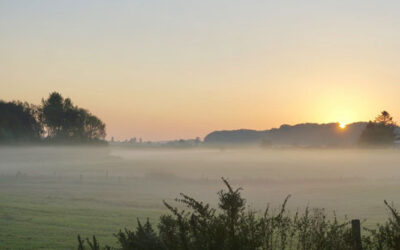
173 144
56 120
382 131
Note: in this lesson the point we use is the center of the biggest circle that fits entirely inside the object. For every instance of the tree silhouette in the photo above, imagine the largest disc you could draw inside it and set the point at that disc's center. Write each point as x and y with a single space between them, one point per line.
19 123
56 120
385 119
52 114
379 132
65 122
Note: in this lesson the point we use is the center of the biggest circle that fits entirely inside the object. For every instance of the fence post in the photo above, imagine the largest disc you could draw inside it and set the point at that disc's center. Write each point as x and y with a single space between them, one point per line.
356 234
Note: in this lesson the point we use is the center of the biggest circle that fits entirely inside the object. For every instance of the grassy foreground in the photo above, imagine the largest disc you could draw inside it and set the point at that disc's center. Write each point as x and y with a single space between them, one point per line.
33 221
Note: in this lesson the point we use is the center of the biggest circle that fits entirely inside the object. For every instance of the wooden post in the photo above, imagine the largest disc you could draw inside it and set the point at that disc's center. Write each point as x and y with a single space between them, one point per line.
356 234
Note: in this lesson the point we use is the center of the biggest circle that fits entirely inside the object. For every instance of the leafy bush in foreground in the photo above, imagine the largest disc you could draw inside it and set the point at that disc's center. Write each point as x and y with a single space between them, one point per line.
233 227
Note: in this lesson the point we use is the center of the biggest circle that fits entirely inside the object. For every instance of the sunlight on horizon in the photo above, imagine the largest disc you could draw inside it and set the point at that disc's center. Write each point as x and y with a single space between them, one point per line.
158 73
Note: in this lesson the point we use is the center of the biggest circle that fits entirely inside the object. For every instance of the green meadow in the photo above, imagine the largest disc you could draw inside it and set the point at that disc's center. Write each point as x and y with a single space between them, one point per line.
50 195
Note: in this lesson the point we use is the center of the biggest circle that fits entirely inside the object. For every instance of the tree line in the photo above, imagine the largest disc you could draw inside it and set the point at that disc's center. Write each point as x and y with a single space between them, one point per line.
55 120
58 120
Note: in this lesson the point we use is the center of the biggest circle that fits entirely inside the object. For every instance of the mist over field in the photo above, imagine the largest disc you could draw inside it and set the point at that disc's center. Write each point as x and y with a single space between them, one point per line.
57 192
199 125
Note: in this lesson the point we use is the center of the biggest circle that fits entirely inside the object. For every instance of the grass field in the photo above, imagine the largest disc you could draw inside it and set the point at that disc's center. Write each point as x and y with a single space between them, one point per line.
35 215
49 195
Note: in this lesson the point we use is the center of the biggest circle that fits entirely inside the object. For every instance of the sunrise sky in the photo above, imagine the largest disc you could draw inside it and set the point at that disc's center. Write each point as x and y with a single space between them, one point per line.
180 69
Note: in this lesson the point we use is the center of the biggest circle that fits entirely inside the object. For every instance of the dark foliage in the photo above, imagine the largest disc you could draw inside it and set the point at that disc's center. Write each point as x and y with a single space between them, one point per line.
387 235
68 123
19 123
144 238
379 132
233 227
56 120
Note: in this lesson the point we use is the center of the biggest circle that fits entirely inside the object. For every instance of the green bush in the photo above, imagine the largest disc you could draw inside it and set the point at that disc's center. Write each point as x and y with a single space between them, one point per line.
233 227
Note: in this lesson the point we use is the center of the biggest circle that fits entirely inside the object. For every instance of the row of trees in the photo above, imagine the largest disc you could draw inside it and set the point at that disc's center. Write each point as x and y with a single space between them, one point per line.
57 119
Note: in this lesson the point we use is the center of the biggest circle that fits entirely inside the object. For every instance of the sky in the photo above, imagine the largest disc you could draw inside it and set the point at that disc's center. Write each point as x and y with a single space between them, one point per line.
174 69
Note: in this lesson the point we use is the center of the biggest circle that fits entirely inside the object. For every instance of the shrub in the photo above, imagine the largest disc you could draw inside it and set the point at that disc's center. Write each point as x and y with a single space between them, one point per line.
233 227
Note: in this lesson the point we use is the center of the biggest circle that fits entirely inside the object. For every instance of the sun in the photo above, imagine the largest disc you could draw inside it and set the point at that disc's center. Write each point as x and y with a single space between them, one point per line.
342 125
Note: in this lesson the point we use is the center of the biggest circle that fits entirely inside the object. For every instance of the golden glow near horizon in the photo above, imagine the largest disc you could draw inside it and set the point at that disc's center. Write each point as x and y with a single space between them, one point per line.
185 68
342 125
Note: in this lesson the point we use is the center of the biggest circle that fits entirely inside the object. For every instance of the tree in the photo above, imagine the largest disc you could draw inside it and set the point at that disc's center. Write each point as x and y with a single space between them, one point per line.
19 122
94 128
68 123
379 132
52 114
